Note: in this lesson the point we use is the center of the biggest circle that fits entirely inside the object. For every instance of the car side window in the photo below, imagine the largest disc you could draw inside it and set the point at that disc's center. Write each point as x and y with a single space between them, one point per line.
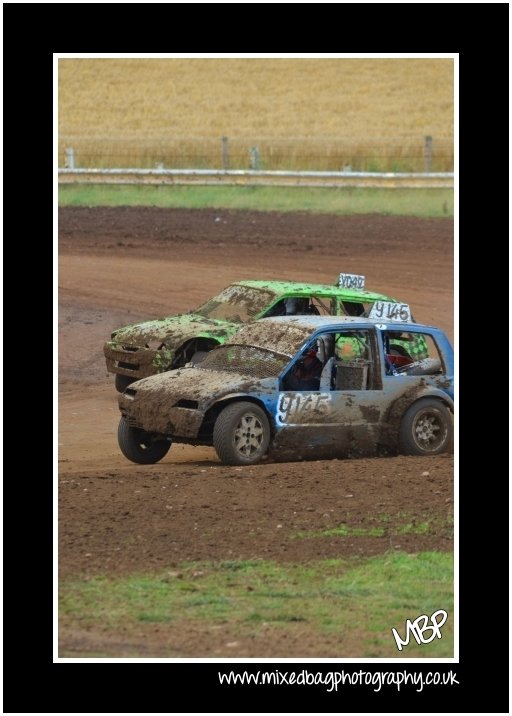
352 308
322 306
411 353
336 361
301 306
354 367
278 309
306 372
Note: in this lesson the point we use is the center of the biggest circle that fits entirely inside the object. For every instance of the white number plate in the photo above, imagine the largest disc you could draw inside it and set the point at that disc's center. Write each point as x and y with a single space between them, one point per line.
387 311
351 280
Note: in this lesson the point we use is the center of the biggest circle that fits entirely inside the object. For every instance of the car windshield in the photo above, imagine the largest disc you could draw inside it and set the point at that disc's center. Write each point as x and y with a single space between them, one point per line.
274 335
236 303
261 349
245 360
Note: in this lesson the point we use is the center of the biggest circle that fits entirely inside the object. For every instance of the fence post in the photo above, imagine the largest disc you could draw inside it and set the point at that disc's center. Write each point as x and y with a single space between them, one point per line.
428 153
225 153
70 158
254 162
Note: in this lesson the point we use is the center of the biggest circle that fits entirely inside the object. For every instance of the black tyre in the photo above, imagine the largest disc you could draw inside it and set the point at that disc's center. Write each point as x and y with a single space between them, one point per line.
426 428
198 357
241 434
122 382
139 446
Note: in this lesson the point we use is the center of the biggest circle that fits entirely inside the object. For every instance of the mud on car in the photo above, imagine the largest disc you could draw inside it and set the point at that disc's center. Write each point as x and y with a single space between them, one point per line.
247 400
140 350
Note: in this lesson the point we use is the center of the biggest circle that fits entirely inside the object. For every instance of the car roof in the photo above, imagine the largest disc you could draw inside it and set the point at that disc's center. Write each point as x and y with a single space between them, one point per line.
314 323
298 288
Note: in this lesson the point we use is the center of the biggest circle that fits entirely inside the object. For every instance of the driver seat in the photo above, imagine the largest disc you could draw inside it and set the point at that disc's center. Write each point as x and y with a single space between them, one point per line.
327 375
325 346
325 354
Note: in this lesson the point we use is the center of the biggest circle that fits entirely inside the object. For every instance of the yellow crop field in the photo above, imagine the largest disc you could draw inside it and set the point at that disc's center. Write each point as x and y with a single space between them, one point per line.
307 112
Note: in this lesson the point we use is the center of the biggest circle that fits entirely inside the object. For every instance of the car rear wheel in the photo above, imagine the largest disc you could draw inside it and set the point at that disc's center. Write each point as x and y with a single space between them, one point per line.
122 382
426 428
139 446
241 434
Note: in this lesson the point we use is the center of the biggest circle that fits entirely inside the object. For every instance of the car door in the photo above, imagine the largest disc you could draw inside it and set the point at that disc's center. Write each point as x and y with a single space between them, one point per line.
343 414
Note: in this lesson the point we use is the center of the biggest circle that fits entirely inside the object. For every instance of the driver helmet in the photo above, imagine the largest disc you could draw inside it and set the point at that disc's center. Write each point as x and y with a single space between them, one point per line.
296 306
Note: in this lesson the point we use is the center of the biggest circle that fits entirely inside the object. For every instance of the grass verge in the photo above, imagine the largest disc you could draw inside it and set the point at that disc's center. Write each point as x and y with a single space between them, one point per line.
351 605
380 526
406 202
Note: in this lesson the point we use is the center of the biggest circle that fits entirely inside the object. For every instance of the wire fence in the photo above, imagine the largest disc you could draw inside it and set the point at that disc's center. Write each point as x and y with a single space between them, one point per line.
398 154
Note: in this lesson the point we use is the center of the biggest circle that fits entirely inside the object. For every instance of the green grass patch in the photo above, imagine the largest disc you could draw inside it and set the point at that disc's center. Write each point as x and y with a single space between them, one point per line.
344 531
382 525
421 528
335 601
401 202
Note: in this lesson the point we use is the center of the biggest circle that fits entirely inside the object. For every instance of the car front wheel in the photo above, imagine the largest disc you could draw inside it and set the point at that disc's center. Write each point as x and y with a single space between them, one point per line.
139 446
426 428
241 434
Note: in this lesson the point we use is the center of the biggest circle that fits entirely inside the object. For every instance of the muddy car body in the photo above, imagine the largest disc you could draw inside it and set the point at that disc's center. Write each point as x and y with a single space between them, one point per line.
156 346
243 398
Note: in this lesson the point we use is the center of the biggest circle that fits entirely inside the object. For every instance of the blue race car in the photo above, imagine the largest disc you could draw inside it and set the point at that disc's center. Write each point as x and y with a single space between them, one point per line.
299 387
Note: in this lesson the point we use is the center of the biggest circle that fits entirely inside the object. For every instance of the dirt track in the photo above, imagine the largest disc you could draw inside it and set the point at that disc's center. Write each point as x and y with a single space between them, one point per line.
118 266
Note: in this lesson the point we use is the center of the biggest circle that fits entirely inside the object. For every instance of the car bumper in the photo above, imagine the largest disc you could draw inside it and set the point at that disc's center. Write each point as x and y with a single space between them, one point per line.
136 361
173 422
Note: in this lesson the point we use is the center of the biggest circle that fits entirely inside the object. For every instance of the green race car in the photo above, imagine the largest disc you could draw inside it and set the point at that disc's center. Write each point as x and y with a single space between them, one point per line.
143 349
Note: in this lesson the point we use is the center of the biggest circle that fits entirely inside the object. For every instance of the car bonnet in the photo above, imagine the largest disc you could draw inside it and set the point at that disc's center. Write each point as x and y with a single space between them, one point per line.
190 384
170 329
